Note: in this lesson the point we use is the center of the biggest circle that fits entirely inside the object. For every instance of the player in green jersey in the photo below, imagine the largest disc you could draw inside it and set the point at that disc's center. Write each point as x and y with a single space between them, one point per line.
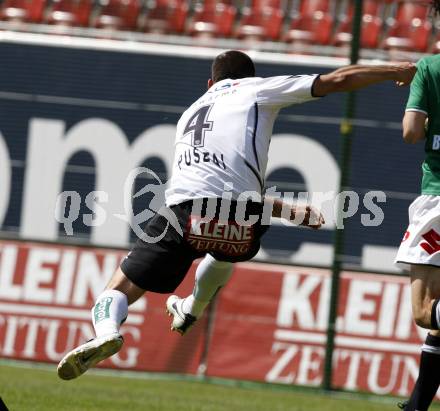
420 248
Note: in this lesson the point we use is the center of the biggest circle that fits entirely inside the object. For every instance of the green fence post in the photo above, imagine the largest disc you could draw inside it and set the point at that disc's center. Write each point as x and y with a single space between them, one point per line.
339 236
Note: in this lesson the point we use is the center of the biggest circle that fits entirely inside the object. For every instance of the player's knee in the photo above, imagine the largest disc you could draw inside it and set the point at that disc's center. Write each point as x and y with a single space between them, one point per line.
217 263
422 317
222 264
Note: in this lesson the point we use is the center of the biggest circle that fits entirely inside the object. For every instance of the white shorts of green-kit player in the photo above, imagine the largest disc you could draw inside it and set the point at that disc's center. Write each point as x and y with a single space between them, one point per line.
421 241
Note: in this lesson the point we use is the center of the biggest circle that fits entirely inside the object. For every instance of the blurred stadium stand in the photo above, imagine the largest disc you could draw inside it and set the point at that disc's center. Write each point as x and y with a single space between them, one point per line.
166 17
372 25
312 23
410 28
213 19
261 20
323 27
23 10
69 13
118 15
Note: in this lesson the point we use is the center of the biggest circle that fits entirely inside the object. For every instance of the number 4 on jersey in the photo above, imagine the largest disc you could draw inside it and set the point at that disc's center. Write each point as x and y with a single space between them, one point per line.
198 124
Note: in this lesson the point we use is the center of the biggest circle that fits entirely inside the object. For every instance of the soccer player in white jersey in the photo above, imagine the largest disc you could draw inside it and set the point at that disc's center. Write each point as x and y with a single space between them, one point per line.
215 195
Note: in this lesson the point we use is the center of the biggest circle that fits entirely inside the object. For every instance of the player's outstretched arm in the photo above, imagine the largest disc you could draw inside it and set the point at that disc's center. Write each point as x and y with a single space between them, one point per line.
351 78
305 215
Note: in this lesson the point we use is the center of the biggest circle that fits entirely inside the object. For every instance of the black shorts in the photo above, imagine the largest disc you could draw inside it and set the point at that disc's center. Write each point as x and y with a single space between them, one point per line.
162 265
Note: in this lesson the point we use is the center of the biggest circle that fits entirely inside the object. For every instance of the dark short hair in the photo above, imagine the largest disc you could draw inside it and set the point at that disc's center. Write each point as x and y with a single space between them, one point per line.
232 64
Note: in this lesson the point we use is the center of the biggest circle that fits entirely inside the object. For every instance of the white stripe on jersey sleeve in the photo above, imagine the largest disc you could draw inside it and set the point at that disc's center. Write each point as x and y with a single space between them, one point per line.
417 109
283 91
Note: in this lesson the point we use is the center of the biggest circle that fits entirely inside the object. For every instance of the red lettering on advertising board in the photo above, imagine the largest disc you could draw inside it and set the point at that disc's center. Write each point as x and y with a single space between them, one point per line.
283 340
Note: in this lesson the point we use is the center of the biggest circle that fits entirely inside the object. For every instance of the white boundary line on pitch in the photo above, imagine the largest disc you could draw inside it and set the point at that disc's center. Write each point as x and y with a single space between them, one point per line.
359 343
59 312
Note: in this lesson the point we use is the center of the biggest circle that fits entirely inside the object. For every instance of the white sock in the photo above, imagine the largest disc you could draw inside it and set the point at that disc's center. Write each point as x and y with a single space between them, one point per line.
109 312
211 275
193 306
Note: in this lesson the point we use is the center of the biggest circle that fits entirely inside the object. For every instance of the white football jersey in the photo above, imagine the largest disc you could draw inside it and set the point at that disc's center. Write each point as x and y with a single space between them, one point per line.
222 140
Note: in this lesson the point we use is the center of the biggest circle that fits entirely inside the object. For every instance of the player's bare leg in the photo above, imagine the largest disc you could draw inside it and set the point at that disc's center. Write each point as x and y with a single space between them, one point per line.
108 313
211 275
425 294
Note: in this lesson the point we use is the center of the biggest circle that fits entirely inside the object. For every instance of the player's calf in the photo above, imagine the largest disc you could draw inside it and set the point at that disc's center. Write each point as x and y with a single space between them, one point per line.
425 293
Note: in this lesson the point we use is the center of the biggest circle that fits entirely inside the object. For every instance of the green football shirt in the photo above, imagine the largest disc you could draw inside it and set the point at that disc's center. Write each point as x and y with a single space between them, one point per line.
425 97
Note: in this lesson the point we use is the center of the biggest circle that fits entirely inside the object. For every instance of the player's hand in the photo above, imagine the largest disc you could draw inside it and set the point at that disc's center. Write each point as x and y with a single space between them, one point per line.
308 216
405 73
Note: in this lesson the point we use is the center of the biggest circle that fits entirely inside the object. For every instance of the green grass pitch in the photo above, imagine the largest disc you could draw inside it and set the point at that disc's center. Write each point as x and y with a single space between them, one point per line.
38 388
